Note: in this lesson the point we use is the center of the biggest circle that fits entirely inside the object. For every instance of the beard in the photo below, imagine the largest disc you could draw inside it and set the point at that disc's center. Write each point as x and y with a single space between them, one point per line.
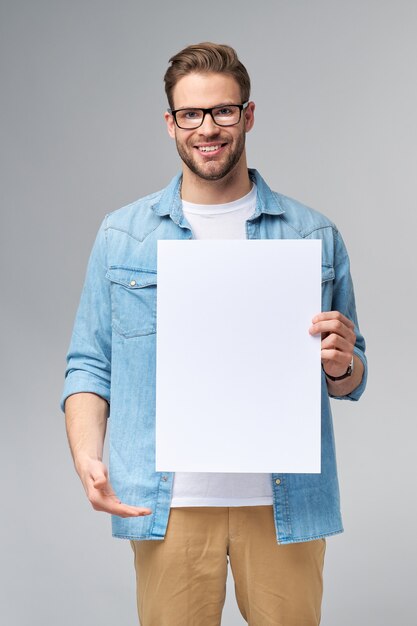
214 169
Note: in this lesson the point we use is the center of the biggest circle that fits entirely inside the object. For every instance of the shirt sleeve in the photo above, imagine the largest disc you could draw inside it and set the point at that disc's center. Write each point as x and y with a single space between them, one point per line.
344 301
89 354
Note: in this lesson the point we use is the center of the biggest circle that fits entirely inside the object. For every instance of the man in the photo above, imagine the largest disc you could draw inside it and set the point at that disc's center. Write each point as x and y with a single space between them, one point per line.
183 528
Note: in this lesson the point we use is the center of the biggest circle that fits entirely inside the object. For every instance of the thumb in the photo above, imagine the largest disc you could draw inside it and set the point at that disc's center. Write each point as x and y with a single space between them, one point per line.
100 479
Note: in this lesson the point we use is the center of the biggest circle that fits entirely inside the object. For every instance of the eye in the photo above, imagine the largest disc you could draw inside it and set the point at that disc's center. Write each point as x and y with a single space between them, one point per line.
224 111
190 115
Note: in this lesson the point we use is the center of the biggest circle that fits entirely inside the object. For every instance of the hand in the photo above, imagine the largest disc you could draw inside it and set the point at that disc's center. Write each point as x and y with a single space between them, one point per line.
337 343
101 494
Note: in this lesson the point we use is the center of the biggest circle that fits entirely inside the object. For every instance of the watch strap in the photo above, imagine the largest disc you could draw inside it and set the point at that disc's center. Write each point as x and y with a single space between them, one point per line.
345 375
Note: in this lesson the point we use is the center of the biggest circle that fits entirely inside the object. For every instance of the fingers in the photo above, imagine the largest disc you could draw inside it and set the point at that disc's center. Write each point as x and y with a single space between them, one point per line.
103 498
113 506
333 358
333 315
333 323
338 340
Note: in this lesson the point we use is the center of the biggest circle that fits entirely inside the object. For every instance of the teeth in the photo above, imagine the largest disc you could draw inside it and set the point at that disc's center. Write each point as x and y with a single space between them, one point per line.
208 148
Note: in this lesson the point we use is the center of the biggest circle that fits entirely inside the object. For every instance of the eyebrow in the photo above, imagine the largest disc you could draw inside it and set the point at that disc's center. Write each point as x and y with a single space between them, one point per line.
215 106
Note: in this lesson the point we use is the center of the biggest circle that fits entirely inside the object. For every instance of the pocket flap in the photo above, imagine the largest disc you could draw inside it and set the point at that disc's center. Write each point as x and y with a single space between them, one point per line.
132 278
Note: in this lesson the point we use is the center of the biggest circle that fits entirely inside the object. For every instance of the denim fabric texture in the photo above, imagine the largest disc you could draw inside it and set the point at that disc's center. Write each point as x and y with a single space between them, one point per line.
113 352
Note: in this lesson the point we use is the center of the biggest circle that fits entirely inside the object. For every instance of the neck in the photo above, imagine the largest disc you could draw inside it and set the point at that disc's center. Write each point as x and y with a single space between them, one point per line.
232 187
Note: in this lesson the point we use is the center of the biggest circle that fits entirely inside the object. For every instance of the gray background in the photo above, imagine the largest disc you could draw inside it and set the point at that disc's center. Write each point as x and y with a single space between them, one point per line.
82 133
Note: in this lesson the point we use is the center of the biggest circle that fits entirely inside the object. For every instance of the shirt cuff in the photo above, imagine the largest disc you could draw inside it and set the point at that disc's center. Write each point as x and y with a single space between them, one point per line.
83 382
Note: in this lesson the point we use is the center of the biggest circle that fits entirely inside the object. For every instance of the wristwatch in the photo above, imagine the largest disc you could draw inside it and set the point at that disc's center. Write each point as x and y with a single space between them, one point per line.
348 373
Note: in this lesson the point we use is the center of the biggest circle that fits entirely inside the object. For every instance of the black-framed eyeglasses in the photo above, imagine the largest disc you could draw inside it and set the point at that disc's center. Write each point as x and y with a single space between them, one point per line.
222 115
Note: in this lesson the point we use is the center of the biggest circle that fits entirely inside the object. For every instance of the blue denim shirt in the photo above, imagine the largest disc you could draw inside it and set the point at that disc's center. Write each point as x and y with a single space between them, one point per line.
113 347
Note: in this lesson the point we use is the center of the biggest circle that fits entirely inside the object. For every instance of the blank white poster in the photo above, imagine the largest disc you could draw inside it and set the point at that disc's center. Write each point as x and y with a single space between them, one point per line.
238 374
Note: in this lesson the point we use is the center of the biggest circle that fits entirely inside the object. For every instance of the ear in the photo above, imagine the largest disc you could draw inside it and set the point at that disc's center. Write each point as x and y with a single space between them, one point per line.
170 124
249 113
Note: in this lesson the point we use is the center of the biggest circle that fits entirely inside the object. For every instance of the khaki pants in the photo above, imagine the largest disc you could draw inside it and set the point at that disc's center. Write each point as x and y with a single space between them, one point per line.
181 580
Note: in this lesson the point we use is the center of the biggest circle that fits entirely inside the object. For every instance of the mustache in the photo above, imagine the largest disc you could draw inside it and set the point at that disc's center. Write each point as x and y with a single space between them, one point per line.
210 139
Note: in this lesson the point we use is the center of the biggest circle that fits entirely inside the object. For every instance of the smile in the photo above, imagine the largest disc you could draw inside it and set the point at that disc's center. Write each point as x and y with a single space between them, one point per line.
210 149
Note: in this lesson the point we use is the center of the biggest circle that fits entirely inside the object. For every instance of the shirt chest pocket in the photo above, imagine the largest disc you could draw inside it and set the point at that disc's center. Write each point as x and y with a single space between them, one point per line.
133 293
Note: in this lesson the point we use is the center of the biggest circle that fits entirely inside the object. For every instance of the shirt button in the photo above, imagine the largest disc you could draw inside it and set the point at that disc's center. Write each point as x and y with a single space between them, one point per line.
278 481
132 283
165 478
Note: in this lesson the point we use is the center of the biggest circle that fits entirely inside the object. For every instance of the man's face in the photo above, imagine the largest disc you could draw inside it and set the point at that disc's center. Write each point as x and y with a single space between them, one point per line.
206 91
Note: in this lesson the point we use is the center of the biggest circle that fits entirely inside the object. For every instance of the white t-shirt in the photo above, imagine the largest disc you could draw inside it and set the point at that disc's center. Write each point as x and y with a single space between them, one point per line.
221 221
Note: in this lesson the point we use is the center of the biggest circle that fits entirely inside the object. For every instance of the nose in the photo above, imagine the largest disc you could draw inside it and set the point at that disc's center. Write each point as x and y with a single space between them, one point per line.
208 127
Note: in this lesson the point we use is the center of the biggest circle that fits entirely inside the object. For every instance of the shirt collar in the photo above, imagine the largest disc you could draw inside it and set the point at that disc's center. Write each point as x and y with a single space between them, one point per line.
170 203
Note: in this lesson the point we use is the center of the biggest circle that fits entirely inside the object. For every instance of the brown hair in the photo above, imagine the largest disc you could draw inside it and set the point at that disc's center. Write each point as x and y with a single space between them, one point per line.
206 57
